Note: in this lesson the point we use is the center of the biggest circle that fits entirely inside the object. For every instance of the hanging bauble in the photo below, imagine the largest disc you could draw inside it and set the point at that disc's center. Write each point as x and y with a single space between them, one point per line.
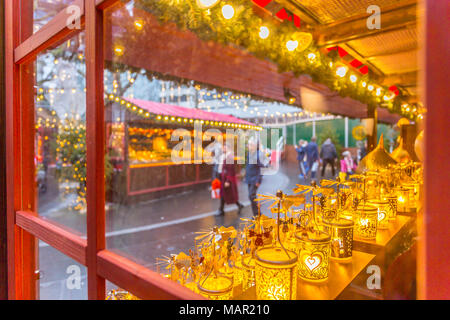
419 145
402 122
377 159
400 154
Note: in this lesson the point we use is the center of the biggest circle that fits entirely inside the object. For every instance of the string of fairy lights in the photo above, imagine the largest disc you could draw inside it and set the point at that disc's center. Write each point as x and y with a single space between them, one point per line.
296 42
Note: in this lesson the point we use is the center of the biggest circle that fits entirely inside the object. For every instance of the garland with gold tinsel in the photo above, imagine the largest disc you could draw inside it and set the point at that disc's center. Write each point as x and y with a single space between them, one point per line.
243 30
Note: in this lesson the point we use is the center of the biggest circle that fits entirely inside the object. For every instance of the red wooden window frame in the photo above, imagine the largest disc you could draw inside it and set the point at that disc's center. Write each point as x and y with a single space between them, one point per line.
23 223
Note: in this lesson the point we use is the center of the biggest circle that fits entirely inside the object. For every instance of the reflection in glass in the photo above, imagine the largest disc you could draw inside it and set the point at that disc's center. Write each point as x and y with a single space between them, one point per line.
45 10
61 278
60 140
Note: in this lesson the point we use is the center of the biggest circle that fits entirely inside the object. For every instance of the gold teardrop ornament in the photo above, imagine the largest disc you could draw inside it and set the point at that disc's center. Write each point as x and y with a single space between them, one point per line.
375 160
400 154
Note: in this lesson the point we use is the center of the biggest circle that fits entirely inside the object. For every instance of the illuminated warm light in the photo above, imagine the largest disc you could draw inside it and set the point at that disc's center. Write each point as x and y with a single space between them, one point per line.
291 45
341 71
378 92
353 78
370 87
311 56
206 4
264 32
227 11
118 50
139 25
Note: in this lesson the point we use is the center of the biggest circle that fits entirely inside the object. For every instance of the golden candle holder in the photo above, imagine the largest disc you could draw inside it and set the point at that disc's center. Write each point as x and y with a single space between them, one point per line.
366 222
414 194
216 288
392 206
405 199
248 271
341 232
382 210
276 274
314 254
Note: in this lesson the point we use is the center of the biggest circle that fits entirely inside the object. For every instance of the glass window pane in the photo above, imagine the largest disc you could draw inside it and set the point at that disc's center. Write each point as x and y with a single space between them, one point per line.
156 84
45 10
60 137
61 278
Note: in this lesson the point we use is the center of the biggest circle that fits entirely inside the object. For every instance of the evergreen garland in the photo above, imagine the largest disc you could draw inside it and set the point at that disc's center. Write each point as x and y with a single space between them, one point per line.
243 31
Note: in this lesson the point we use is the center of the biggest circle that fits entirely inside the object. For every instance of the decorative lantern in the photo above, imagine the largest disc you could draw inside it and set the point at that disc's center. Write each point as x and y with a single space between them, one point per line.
276 274
216 288
406 199
366 221
276 267
248 272
383 215
341 232
414 196
314 254
392 206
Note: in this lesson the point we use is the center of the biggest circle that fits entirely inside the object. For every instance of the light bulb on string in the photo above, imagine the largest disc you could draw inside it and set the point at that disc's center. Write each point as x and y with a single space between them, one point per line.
227 11
341 71
291 45
264 32
207 4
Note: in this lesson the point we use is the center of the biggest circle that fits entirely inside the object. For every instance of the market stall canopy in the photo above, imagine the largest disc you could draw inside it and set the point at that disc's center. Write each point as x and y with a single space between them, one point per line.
177 112
181 54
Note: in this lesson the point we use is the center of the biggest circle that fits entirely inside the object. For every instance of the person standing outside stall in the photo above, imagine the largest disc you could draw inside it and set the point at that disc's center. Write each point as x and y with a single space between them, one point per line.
312 156
328 155
301 153
228 181
253 176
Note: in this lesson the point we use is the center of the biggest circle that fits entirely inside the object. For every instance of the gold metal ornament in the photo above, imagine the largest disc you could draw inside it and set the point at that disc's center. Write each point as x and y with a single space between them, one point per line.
400 154
376 159
383 212
366 222
314 255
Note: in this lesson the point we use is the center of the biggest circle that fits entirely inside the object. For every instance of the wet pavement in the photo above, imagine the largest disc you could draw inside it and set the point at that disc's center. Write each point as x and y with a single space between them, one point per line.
145 231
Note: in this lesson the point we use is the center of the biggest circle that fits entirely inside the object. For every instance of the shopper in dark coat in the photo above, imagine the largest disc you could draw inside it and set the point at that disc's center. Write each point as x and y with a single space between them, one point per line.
312 156
328 155
301 153
253 177
228 187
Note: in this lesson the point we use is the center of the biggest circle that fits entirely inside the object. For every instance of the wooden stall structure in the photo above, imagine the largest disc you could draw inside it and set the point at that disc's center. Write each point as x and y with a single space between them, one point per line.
140 139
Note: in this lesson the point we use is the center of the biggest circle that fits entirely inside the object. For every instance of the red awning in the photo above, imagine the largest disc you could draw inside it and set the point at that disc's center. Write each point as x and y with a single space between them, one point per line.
191 113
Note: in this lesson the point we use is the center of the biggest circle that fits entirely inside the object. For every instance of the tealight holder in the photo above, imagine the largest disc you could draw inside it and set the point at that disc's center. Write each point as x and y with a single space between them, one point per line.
314 255
341 232
248 272
392 206
382 210
276 274
366 221
414 194
405 199
216 288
